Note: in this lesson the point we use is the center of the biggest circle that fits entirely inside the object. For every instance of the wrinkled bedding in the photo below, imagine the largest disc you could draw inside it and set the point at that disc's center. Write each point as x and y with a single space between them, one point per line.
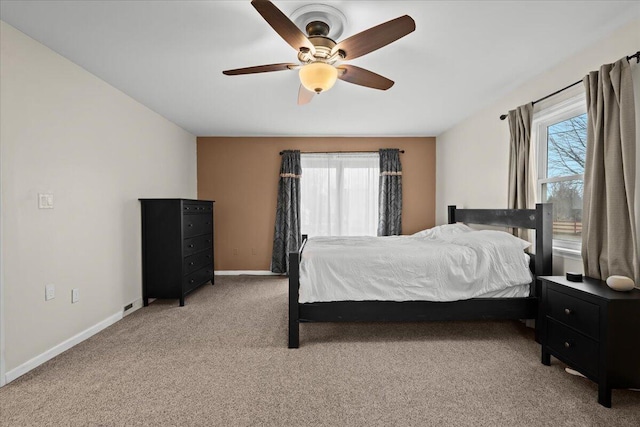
446 263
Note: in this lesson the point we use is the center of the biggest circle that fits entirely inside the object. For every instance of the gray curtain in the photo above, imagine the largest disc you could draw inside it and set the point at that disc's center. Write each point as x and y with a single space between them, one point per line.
287 237
608 224
520 177
390 193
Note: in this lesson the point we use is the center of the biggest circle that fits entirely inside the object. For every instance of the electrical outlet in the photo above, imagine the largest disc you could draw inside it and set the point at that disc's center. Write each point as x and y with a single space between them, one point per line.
45 201
49 292
75 295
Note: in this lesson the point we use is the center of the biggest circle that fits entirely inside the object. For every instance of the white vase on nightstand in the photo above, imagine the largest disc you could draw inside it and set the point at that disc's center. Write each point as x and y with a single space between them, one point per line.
620 283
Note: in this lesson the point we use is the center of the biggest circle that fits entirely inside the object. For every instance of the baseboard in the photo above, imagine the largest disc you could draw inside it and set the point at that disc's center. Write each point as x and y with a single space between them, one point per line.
247 272
63 346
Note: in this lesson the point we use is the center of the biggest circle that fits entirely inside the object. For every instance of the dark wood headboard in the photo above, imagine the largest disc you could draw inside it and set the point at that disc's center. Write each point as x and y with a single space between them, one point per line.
539 219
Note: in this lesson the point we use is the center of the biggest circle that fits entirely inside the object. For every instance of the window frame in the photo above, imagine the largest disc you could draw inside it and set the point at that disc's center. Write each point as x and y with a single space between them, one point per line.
548 115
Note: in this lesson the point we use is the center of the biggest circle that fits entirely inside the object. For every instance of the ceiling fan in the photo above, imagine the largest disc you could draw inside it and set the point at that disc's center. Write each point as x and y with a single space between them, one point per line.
319 55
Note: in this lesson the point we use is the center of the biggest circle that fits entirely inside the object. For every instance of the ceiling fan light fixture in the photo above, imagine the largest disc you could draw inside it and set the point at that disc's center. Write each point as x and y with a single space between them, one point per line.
318 52
318 76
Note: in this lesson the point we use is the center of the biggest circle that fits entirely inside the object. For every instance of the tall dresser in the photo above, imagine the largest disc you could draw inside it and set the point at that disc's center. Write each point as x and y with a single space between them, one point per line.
177 247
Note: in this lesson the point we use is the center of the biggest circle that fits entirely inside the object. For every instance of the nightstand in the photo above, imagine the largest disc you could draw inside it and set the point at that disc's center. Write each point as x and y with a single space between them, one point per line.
593 329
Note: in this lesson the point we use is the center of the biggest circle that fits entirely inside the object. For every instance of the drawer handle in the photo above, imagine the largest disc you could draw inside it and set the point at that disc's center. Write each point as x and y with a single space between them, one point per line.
191 263
567 311
190 246
208 241
191 281
567 344
190 225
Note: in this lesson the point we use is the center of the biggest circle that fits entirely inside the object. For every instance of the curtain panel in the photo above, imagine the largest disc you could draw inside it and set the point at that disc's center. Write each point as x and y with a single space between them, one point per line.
287 237
390 193
609 235
521 186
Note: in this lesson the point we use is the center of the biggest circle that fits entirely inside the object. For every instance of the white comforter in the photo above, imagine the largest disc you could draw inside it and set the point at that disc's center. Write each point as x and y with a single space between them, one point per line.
446 263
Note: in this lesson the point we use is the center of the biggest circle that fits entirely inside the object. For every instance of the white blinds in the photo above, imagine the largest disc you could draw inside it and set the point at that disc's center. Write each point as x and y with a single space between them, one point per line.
339 194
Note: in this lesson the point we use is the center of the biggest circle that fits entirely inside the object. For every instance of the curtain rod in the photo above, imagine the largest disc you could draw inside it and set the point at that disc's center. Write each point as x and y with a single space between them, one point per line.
333 152
629 58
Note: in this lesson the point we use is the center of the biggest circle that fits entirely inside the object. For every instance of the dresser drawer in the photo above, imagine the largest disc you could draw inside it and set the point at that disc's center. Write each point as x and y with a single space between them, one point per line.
197 278
572 346
197 244
197 261
579 314
194 225
196 208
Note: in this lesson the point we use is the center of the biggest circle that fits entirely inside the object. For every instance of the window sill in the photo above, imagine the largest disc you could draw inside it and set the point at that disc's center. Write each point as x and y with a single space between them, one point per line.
567 253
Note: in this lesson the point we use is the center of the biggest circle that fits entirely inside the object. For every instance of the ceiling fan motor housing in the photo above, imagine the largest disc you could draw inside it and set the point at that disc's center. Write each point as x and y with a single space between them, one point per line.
317 28
324 46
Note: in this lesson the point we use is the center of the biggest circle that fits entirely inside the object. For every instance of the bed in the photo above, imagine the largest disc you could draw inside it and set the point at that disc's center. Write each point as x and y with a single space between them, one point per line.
496 306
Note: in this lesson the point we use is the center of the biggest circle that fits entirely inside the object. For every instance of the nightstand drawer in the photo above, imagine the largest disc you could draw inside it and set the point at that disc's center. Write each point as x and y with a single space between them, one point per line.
579 314
575 348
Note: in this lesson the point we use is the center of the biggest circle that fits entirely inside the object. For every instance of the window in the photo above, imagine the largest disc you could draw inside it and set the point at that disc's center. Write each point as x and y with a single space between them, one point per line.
560 132
339 194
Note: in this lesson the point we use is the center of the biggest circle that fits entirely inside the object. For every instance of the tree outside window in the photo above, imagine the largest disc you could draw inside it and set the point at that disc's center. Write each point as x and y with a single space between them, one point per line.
566 150
562 142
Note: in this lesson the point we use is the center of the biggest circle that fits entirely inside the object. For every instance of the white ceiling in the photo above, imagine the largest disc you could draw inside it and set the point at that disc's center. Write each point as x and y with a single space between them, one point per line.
169 55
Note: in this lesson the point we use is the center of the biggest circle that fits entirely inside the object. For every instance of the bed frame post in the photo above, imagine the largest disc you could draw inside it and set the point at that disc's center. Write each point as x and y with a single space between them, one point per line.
451 211
294 286
544 240
544 255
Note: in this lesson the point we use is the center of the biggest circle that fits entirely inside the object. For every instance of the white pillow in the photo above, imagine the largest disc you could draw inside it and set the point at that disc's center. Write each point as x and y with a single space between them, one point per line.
499 238
443 230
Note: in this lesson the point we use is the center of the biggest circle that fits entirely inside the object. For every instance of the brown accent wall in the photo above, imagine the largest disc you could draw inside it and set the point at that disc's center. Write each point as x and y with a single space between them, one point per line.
241 175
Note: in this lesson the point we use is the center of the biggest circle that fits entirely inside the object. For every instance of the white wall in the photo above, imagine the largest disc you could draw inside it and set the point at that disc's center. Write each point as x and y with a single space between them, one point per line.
473 156
67 132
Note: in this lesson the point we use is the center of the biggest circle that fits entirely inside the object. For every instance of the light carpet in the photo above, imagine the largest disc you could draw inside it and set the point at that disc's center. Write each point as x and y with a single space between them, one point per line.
222 360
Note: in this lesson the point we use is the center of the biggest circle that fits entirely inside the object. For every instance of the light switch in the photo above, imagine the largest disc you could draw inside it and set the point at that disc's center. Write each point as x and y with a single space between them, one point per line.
49 292
45 201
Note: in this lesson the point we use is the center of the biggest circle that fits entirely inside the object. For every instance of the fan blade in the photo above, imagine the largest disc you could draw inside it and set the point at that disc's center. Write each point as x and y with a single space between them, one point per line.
283 25
375 37
260 69
362 77
304 96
